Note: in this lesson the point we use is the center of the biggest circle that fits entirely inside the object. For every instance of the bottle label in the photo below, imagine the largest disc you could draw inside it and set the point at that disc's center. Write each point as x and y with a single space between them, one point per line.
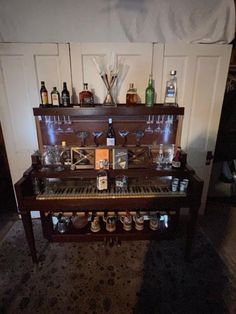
44 96
110 141
176 164
65 100
102 183
55 100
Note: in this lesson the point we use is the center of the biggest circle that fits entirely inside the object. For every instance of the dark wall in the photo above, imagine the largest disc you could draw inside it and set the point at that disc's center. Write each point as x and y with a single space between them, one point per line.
7 198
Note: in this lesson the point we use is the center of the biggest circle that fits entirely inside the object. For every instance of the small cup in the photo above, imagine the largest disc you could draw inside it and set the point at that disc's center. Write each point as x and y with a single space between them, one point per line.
95 224
139 221
110 223
127 222
62 224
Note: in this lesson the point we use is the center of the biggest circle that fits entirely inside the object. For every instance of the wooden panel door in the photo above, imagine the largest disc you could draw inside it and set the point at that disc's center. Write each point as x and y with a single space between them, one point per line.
136 62
202 72
23 66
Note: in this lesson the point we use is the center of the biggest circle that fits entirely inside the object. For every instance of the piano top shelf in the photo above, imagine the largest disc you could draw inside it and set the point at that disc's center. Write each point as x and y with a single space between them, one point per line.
120 110
92 173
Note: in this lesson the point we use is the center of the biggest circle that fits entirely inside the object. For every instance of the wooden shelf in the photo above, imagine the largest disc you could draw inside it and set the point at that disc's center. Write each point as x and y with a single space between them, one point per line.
120 110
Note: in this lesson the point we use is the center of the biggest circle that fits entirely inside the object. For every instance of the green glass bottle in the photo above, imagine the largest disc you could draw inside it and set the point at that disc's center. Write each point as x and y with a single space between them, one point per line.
150 93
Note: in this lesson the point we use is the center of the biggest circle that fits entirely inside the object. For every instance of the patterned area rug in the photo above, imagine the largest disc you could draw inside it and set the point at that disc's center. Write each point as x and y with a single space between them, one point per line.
137 277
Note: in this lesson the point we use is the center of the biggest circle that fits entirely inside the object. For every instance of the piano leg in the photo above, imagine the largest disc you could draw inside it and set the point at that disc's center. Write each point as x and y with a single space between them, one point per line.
191 227
29 233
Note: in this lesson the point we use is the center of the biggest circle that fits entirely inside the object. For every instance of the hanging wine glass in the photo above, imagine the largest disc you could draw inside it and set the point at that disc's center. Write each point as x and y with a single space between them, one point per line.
59 123
149 121
124 134
67 121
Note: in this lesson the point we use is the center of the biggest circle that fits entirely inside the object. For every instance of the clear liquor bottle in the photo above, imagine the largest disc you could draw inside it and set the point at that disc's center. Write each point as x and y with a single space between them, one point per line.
131 95
171 89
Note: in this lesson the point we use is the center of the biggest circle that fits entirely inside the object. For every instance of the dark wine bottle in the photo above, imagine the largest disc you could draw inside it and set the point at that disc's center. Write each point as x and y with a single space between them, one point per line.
111 137
43 95
65 96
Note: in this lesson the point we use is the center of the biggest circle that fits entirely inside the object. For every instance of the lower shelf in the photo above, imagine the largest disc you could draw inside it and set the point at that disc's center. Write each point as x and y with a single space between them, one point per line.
85 234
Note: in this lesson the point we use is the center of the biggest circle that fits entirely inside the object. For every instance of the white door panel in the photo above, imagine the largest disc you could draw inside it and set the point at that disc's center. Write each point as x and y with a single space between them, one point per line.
201 73
136 60
23 66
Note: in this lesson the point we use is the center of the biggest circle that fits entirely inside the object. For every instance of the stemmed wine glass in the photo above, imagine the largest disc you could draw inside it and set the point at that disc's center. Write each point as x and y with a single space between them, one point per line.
69 123
96 135
124 134
83 135
59 123
158 128
149 121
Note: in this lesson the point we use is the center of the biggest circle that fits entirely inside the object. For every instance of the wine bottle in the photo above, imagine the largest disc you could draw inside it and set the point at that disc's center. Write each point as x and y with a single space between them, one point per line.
86 97
55 97
149 93
43 94
176 162
131 95
65 96
111 137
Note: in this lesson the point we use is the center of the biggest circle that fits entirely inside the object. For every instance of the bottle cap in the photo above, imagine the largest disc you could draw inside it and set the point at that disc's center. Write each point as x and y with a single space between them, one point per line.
173 72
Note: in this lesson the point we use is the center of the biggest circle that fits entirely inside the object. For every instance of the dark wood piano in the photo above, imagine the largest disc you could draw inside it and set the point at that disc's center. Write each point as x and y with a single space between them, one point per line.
65 190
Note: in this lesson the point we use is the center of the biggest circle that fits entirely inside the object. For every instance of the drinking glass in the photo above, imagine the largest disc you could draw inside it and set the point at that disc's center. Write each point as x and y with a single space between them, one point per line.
149 121
124 134
138 135
83 135
96 135
67 121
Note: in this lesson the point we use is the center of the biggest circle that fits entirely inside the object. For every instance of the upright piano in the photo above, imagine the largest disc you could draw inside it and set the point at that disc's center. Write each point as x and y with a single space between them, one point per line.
61 181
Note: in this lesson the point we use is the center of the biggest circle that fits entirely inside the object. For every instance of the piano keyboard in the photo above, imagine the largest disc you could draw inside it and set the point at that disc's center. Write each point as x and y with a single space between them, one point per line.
87 192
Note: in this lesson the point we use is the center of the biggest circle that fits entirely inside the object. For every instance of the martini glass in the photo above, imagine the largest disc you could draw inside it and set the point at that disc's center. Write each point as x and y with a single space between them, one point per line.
96 135
124 134
138 135
83 135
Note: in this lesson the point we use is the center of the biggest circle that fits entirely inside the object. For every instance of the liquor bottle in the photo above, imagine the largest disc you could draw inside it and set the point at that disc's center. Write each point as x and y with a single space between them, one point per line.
65 96
102 178
171 89
176 162
86 97
111 137
55 97
131 95
149 93
43 94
